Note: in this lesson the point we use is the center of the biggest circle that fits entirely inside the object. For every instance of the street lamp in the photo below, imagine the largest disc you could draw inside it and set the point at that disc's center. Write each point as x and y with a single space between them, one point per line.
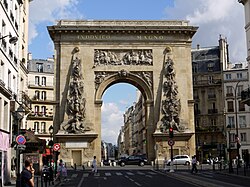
18 115
12 40
51 143
229 150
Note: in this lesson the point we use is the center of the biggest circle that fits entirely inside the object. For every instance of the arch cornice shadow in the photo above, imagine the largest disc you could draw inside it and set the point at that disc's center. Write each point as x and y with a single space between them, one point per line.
130 78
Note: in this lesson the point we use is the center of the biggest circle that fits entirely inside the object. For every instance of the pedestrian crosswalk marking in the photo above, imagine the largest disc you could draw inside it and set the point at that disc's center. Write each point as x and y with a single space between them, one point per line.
118 173
108 174
149 176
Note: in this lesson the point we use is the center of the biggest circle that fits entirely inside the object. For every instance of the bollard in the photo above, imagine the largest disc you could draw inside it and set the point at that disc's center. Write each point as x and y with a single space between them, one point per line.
83 167
75 166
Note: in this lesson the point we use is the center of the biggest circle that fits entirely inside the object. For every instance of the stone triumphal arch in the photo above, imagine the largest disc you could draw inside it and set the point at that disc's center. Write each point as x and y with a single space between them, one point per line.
154 56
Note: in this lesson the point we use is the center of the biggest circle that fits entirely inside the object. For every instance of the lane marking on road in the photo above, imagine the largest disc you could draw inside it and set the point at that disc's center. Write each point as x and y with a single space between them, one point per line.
151 173
140 173
129 173
85 175
118 173
81 181
149 176
108 174
137 184
74 175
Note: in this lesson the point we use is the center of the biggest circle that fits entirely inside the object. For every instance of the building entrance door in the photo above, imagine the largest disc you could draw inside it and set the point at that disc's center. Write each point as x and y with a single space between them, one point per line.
77 157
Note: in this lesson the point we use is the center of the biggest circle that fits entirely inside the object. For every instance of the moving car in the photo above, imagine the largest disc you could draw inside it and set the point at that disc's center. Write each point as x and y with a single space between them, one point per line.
180 160
139 160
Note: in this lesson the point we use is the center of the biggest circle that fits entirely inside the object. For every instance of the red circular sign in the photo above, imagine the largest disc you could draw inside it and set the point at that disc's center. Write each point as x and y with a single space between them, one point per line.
20 139
56 147
170 142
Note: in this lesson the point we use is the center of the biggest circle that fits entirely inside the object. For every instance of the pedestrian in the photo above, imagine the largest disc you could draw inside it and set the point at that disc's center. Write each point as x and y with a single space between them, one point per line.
27 175
59 171
94 165
194 164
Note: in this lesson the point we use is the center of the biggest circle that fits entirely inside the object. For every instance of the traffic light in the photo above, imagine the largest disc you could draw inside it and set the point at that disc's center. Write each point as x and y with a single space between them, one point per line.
171 132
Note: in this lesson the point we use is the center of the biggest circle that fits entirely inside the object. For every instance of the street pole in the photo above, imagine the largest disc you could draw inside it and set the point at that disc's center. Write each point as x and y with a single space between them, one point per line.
172 160
230 155
236 123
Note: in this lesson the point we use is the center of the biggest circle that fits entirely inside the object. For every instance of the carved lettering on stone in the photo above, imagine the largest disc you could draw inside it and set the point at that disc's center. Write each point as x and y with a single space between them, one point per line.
117 57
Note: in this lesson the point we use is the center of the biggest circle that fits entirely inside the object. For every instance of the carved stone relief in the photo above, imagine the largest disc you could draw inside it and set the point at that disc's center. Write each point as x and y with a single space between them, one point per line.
75 101
118 57
171 105
145 75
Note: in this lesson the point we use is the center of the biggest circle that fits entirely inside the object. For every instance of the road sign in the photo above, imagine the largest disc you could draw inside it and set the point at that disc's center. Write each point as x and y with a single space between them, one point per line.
21 147
170 142
56 147
20 139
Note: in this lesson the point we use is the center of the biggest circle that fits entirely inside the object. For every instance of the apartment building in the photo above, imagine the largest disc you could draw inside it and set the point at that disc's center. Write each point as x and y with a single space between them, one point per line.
208 64
13 76
237 113
41 92
246 3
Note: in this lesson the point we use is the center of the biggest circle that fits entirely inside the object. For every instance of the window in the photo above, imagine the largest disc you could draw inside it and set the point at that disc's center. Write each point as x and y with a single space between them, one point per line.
241 106
230 106
43 110
229 91
39 67
2 71
243 137
43 127
239 75
195 67
37 80
228 76
36 110
49 66
239 90
9 79
211 93
43 97
242 121
36 127
37 95
231 121
210 79
43 81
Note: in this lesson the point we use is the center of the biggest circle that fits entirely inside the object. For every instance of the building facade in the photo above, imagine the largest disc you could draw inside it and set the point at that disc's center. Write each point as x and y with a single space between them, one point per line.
246 3
208 64
13 77
237 113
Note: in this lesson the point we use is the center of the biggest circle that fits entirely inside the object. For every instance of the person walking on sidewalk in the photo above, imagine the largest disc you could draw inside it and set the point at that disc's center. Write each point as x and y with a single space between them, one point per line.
94 165
27 175
194 164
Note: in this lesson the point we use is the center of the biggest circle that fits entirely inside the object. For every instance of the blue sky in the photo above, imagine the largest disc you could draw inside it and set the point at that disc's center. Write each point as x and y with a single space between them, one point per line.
225 17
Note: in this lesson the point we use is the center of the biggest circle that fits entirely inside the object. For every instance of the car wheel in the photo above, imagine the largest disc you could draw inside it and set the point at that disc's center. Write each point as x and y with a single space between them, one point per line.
187 163
141 164
122 164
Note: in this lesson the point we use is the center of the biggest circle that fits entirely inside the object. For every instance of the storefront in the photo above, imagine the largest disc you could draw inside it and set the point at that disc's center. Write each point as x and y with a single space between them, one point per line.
4 148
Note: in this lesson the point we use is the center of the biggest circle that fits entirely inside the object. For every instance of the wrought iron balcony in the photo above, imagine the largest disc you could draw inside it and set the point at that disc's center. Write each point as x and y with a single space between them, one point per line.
245 96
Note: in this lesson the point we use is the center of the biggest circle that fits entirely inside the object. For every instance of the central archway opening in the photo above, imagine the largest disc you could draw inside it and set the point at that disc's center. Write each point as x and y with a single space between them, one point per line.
123 122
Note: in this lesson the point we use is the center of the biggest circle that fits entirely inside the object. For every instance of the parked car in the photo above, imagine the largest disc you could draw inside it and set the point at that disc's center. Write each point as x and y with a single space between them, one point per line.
140 160
180 160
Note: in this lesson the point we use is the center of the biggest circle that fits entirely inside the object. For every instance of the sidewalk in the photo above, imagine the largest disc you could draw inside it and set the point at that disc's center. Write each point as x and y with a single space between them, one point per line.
37 181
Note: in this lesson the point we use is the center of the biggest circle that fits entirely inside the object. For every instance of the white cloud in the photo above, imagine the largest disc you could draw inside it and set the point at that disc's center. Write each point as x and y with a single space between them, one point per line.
112 120
49 11
225 17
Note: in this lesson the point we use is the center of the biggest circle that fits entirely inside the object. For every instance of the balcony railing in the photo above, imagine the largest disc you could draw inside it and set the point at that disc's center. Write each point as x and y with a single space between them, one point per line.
25 100
47 84
212 111
207 82
245 96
